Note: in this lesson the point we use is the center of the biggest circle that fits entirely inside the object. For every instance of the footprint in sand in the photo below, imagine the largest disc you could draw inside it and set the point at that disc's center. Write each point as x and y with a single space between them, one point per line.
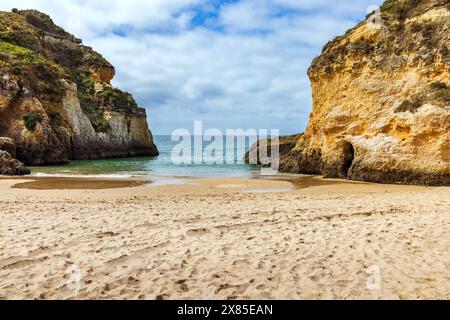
197 232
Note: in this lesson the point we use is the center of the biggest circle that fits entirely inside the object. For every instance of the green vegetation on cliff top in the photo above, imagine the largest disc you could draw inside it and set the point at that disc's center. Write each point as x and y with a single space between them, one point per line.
404 37
14 54
37 73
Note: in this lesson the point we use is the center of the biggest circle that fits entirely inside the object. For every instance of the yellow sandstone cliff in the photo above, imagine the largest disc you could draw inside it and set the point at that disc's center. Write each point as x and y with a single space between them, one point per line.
381 100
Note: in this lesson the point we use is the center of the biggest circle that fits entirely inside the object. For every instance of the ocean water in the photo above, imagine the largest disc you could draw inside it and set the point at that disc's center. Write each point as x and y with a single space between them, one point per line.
161 166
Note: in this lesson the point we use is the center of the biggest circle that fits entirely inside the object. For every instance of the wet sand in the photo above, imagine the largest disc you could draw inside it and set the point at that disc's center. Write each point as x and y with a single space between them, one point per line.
74 183
223 239
57 183
307 181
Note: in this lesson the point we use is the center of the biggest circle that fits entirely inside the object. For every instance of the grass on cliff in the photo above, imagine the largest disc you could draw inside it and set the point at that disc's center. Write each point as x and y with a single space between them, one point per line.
22 54
15 54
38 73
9 48
14 30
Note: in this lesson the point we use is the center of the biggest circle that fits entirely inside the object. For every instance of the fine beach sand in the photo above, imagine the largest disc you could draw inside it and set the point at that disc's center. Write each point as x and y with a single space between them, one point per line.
223 239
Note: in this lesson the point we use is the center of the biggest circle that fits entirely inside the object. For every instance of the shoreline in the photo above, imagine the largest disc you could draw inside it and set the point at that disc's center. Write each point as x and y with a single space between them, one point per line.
105 181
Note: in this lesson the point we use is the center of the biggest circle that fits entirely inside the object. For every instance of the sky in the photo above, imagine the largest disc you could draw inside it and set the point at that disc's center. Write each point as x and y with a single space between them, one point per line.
229 63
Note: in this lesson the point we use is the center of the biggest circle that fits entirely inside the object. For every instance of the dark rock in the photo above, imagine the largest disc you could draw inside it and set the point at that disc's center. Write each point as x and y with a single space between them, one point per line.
10 166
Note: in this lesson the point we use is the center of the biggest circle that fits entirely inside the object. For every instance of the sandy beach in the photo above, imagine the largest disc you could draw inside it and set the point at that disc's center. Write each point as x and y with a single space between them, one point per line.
223 239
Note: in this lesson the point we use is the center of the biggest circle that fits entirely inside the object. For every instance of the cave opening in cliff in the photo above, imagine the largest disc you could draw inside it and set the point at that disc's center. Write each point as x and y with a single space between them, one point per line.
349 156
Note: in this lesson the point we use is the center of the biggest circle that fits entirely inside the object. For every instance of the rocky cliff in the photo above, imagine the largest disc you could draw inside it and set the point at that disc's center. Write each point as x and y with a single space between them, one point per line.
381 100
56 100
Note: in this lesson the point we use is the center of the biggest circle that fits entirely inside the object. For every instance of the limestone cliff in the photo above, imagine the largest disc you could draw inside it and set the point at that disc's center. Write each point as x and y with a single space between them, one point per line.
56 100
381 100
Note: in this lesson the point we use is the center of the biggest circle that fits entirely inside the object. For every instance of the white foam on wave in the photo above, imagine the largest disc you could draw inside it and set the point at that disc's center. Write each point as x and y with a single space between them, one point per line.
85 176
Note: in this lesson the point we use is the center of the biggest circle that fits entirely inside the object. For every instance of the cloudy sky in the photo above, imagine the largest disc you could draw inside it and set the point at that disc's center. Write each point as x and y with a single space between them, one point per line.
230 63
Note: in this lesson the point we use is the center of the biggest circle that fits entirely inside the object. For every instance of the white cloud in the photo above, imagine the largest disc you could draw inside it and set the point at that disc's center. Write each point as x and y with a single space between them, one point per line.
244 66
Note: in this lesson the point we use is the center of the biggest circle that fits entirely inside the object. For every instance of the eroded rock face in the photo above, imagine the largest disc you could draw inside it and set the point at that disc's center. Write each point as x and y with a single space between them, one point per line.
381 100
10 166
289 159
56 101
8 145
128 134
103 73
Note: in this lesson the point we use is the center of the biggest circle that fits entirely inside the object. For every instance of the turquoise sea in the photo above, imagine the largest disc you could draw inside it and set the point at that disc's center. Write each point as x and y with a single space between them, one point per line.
161 166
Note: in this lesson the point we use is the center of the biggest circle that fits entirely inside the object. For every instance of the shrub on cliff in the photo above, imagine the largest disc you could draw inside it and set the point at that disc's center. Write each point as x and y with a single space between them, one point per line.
42 21
400 9
437 93
361 47
411 105
90 105
116 100
32 119
441 92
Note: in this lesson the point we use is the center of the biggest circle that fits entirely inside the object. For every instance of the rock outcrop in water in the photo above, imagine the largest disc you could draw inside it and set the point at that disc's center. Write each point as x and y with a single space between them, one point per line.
56 100
381 100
